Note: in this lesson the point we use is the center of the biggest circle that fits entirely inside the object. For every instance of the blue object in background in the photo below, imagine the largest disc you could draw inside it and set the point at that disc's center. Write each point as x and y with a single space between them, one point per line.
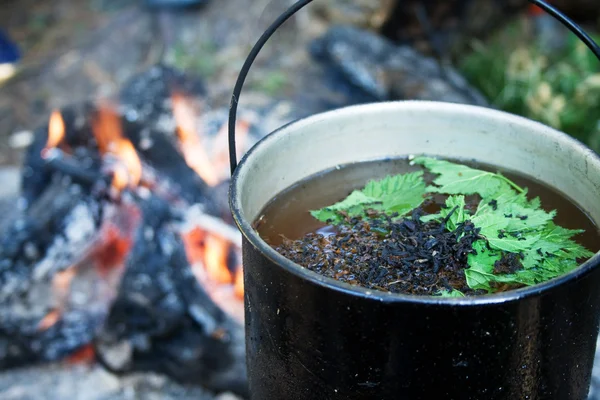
9 52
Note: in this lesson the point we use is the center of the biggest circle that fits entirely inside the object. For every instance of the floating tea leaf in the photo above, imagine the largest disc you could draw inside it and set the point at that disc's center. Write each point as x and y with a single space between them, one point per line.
394 194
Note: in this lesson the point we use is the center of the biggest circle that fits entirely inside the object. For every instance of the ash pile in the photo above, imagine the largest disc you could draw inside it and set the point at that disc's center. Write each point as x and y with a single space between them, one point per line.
120 254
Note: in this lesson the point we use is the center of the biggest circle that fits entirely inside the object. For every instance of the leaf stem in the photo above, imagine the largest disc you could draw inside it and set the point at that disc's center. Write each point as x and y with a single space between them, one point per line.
511 183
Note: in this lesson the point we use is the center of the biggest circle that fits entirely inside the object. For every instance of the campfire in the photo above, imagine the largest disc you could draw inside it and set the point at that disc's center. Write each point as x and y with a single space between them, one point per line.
123 252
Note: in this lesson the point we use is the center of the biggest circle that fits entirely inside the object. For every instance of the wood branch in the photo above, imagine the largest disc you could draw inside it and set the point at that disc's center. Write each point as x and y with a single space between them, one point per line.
58 161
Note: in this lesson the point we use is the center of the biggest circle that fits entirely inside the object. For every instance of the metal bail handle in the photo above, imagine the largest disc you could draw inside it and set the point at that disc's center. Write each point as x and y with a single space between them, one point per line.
566 21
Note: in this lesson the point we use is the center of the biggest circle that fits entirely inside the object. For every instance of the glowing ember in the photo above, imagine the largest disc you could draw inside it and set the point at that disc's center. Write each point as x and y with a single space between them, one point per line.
193 152
193 242
61 282
49 320
129 173
85 355
56 129
106 127
113 252
215 259
109 137
211 253
238 284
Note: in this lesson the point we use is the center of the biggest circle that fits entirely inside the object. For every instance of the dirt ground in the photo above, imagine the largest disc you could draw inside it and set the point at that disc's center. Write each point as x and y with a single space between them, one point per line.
77 50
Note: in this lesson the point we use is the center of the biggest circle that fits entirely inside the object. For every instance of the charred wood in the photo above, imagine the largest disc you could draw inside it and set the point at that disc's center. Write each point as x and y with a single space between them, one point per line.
37 174
22 342
159 152
48 238
162 319
80 172
147 97
36 177
51 235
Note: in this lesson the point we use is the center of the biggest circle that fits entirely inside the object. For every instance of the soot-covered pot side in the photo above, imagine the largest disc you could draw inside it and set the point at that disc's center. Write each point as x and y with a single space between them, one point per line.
309 337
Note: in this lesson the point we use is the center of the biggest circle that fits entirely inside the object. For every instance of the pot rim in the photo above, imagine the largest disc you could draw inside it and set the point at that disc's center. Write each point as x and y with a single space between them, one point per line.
257 242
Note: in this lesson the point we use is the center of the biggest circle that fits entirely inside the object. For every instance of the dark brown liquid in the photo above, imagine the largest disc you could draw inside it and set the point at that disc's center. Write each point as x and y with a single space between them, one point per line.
288 214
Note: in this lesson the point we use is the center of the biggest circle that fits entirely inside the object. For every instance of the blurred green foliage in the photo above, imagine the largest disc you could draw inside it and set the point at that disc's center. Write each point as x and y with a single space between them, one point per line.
273 83
198 59
560 89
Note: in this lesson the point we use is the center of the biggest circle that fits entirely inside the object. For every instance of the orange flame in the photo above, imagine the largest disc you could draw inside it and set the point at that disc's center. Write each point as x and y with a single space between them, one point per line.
61 284
109 137
62 281
106 127
193 242
215 259
213 251
238 284
130 172
113 251
208 255
193 152
56 129
85 355
49 320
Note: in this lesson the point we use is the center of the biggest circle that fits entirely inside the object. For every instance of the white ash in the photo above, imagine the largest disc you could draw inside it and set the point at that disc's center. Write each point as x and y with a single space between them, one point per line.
80 231
20 139
62 381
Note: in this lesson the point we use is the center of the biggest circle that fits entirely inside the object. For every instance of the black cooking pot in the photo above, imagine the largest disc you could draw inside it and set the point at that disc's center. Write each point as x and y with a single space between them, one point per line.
311 337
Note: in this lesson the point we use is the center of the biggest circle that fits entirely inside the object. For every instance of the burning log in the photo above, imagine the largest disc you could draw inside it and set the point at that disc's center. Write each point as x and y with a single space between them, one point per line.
163 320
46 313
63 150
51 236
158 151
69 128
147 97
124 243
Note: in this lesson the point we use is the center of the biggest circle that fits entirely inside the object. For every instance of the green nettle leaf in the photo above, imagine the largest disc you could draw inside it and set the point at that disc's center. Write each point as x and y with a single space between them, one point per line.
481 266
517 210
352 205
430 217
531 258
451 293
491 223
555 246
392 194
556 240
460 179
513 244
548 269
535 203
522 218
456 206
510 223
399 194
507 220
